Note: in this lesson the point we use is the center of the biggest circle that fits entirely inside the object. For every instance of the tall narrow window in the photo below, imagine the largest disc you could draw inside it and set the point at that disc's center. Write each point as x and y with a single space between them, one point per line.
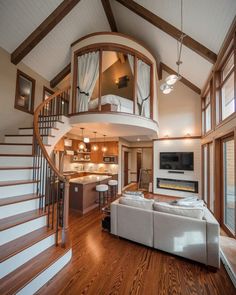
206 113
25 87
211 202
229 184
205 173
227 88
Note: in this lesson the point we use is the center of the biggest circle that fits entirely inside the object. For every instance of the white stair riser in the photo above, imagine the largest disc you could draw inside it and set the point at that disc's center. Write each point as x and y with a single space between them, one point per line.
18 208
18 139
46 275
30 131
16 174
26 139
22 257
17 231
16 161
16 190
16 149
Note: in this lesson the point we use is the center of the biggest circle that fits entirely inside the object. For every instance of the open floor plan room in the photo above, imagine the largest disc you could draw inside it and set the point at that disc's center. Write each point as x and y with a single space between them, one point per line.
117 147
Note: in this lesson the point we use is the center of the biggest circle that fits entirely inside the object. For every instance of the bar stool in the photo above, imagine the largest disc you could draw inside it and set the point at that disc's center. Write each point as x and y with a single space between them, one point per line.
102 189
113 187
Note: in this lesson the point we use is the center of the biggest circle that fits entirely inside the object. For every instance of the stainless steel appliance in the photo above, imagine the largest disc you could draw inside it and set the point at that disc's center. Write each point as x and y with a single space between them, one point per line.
110 159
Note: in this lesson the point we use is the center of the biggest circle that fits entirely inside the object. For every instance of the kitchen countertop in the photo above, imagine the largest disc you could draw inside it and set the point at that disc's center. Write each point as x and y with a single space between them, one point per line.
89 179
70 172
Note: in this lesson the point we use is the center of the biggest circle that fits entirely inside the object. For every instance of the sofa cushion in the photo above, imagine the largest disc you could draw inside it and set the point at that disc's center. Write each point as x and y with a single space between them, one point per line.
193 212
137 202
133 194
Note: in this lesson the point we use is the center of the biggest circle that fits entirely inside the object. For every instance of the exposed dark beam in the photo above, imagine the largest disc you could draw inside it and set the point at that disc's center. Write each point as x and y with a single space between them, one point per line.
60 76
183 80
110 17
42 30
169 29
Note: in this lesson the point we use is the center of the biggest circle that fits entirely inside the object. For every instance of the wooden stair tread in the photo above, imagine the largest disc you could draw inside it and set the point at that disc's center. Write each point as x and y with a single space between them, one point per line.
17 199
15 143
12 248
17 219
30 128
17 167
17 182
25 135
16 155
17 279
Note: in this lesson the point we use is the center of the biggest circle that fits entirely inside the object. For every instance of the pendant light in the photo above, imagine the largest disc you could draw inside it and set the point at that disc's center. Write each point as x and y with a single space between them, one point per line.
104 148
95 146
167 87
82 145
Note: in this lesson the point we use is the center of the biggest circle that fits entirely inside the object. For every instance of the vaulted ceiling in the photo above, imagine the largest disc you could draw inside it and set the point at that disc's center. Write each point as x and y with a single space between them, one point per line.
205 21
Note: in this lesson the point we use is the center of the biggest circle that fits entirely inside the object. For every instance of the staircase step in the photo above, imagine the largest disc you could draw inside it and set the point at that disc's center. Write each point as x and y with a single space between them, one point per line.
14 160
24 138
17 182
15 173
30 130
13 148
17 199
28 275
17 219
12 248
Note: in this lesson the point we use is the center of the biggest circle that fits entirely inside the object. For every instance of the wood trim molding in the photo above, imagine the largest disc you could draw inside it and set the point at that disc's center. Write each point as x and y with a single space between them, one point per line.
169 29
109 14
178 138
186 82
42 30
60 76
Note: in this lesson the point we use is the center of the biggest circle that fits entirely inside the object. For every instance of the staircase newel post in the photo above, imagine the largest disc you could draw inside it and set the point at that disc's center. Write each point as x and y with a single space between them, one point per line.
65 229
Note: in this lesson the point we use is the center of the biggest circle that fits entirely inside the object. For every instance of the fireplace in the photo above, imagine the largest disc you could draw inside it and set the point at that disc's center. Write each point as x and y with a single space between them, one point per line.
178 185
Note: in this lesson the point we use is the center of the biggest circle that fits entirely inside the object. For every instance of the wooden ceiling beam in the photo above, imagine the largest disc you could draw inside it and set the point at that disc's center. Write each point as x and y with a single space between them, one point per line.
60 76
167 69
169 29
42 30
110 16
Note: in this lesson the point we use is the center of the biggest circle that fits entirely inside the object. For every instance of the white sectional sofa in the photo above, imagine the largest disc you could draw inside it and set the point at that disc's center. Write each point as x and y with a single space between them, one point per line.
195 239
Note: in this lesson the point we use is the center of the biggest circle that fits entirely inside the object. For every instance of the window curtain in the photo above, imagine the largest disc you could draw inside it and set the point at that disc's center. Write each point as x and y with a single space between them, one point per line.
88 71
143 85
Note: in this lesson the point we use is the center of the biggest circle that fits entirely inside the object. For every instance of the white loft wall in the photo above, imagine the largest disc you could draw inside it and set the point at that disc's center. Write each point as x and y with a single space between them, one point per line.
180 145
179 111
11 118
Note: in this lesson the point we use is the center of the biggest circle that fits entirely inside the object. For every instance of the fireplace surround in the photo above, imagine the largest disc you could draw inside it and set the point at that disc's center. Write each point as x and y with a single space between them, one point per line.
178 185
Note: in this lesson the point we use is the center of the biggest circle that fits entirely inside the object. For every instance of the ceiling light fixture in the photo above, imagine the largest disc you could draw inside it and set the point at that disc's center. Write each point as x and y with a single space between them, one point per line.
172 79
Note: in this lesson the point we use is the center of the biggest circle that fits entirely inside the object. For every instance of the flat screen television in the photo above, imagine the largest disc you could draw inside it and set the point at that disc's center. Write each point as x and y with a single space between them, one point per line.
177 161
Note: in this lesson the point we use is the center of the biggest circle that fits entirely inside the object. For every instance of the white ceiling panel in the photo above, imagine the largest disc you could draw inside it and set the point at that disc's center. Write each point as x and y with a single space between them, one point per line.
19 18
206 21
52 54
195 68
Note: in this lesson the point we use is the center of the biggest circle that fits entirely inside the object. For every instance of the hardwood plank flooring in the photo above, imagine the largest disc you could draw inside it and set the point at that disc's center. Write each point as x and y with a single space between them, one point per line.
103 264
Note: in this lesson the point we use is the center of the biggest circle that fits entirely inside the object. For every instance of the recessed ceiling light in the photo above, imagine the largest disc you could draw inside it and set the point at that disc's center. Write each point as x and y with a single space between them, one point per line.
138 139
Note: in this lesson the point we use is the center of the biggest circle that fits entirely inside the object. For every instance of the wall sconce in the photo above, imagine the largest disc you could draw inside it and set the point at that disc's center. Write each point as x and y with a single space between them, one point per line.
122 82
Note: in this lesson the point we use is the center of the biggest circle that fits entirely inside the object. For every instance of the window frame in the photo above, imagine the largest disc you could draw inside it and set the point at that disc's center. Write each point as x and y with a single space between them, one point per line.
17 94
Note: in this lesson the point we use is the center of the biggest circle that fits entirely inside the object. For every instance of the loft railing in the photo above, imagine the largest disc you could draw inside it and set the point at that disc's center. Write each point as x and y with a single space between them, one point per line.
52 186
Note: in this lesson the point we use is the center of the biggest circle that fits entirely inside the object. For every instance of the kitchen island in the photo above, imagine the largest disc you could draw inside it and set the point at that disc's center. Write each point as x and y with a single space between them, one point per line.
83 195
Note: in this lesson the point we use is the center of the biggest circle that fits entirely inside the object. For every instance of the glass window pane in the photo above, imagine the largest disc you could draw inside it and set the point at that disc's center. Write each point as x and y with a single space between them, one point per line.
229 184
143 88
228 97
228 67
203 122
211 175
208 118
25 93
205 187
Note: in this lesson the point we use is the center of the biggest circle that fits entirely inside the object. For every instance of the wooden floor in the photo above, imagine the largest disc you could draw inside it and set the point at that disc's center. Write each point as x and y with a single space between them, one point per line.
104 264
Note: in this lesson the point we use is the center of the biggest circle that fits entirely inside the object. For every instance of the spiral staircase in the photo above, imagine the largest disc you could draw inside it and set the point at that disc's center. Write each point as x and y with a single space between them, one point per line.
34 196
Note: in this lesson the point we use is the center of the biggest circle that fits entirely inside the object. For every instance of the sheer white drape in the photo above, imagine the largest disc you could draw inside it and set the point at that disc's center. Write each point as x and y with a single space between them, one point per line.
88 71
143 85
